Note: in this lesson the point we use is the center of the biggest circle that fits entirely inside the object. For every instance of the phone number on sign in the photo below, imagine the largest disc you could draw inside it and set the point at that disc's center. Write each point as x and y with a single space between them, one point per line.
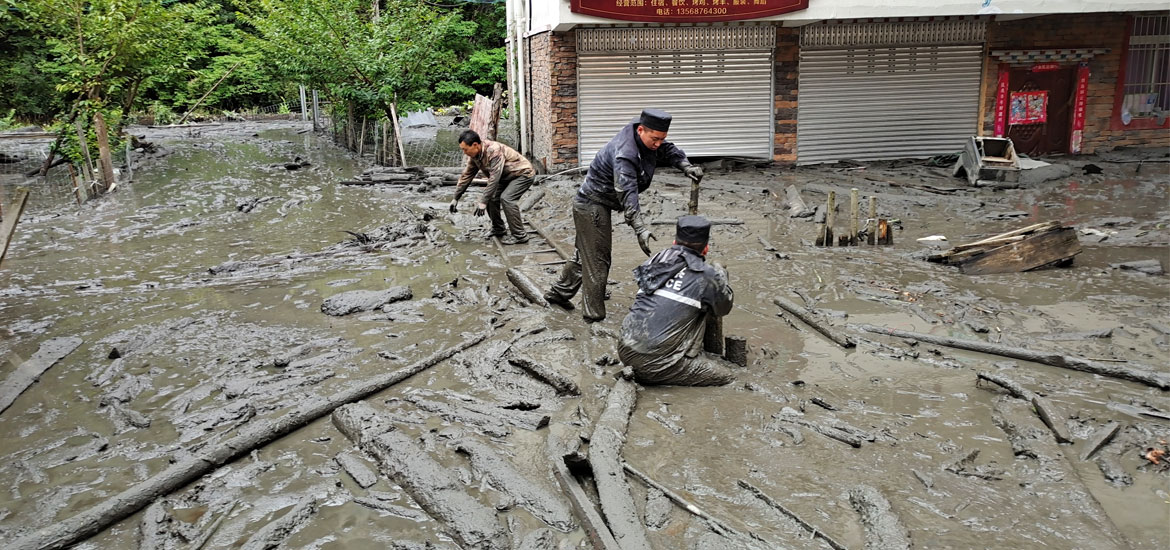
700 11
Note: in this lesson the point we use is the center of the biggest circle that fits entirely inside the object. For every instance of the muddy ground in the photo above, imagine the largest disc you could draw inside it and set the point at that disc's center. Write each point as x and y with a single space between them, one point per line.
197 291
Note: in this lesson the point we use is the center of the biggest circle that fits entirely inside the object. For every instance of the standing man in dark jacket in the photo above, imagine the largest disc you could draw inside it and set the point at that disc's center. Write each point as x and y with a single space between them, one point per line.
662 337
509 175
620 171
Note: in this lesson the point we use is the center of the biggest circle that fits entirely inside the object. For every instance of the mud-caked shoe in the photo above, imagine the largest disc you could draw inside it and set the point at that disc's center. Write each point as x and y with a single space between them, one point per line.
489 235
554 298
512 239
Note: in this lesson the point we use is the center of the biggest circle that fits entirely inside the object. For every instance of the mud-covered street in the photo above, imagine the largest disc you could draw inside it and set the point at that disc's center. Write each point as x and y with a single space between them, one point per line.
211 294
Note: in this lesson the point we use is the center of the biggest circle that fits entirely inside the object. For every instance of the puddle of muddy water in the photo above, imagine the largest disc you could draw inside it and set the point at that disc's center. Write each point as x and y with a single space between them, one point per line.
199 354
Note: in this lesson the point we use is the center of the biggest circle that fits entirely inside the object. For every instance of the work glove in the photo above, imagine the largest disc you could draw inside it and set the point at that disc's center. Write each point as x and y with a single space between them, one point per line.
454 206
480 209
693 172
720 273
643 233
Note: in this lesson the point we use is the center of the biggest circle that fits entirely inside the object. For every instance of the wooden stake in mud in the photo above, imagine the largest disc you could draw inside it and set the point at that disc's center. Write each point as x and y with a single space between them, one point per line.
398 135
830 218
361 145
872 219
11 216
83 143
854 212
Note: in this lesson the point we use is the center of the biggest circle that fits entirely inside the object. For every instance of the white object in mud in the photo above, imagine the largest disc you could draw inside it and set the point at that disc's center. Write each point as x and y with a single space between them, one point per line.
931 239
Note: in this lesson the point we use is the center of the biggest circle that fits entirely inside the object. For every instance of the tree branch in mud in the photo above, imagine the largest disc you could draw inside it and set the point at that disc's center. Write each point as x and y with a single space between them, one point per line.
827 431
780 507
28 372
1041 405
805 315
883 529
717 525
1149 378
255 435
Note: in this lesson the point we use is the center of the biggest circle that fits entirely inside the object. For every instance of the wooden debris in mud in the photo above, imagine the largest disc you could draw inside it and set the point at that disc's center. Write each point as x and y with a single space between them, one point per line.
1032 247
549 375
392 509
526 287
1148 377
547 505
11 216
274 534
28 372
252 436
1100 438
435 488
883 529
1042 406
806 315
714 221
830 432
961 467
357 469
817 533
583 508
605 448
716 524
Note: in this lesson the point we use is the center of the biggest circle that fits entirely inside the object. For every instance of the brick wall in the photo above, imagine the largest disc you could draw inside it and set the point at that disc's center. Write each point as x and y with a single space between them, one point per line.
786 71
553 89
1097 30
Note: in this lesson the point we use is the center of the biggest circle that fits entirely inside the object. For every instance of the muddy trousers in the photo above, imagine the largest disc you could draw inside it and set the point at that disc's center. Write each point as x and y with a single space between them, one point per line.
588 270
706 369
507 198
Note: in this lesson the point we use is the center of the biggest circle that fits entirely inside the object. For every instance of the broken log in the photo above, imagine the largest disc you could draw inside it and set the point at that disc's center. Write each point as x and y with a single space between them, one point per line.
535 497
12 215
357 469
486 423
605 450
354 301
827 431
1042 250
735 350
818 533
796 206
806 315
252 436
587 515
1099 439
28 372
392 509
526 287
549 375
1041 405
716 525
530 199
1150 378
883 529
435 488
272 535
153 527
210 532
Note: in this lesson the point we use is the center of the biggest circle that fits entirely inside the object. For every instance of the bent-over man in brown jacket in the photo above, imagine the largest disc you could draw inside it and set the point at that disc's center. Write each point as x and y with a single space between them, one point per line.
509 175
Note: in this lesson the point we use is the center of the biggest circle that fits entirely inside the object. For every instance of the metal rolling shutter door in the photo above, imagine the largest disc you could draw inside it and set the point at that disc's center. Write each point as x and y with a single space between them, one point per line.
881 90
721 99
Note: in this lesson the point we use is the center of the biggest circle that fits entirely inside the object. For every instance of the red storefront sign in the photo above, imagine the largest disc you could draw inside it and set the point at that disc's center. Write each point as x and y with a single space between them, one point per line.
1001 101
1079 98
685 11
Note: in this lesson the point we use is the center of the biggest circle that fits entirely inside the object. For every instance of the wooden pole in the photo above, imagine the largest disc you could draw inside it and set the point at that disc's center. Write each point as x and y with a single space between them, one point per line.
83 143
8 225
304 107
854 212
78 187
212 89
361 146
804 314
398 135
316 112
873 220
104 157
830 217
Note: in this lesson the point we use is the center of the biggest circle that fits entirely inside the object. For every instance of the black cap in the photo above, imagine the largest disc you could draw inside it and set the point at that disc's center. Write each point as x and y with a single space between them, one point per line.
692 229
655 119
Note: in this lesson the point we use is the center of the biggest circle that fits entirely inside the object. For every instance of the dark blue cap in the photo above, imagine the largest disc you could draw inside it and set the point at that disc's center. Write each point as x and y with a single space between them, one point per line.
655 119
692 229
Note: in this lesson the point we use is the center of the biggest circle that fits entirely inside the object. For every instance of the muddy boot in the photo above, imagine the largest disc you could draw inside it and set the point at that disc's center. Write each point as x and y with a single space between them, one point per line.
513 239
553 297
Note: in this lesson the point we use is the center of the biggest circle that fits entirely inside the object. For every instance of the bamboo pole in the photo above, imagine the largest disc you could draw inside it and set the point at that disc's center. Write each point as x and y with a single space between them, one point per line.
212 89
398 135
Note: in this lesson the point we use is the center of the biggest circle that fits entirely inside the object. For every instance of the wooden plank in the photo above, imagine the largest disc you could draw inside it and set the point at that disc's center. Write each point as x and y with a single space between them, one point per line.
28 372
11 216
583 508
1036 251
481 113
1035 228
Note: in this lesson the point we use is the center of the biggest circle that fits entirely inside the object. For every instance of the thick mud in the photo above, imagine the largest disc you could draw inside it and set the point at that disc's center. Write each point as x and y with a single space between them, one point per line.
197 291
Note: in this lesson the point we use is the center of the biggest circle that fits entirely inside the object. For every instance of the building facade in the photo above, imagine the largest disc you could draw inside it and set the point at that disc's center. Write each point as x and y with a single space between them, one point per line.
811 81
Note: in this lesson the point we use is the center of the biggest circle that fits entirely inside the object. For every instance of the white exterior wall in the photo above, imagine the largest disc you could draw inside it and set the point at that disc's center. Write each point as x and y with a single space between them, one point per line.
555 14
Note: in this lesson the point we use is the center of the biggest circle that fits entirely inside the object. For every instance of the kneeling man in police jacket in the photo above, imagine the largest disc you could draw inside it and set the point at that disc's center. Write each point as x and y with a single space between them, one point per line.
662 337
